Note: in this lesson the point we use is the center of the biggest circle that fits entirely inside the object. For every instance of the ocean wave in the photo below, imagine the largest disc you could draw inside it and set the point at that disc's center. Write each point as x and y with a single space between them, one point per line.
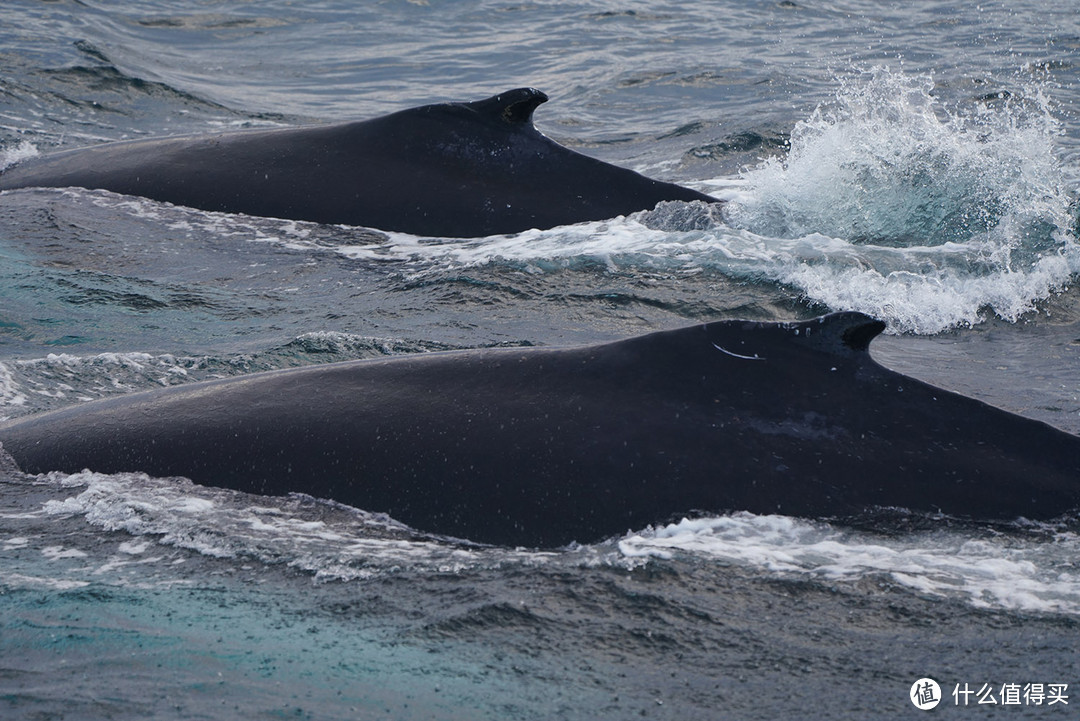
24 150
55 380
939 213
1030 570
329 540
1023 567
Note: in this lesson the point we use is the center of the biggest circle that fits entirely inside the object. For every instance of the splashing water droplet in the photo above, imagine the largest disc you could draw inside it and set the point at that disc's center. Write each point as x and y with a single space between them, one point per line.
923 215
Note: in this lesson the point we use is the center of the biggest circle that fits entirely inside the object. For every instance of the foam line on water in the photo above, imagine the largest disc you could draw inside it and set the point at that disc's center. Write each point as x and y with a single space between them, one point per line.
986 570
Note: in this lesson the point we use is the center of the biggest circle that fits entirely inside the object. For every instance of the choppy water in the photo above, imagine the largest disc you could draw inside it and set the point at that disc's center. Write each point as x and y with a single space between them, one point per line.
917 161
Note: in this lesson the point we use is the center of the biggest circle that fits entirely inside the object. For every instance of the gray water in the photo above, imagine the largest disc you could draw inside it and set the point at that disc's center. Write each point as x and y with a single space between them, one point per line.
916 161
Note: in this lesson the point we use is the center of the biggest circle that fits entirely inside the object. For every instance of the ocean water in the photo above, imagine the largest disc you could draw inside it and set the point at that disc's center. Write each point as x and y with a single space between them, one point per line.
916 161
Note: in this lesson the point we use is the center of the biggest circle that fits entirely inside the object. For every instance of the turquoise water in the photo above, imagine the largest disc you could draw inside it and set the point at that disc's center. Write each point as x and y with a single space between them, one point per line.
916 161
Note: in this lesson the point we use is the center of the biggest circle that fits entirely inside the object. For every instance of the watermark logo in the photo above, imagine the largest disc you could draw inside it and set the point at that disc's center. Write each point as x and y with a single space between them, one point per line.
925 694
1013 694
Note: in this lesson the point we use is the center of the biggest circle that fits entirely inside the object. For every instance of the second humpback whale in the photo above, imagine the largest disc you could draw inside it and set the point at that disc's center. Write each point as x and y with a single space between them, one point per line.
541 447
453 169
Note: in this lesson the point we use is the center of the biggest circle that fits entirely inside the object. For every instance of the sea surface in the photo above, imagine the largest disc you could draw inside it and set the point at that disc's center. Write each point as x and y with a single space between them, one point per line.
918 161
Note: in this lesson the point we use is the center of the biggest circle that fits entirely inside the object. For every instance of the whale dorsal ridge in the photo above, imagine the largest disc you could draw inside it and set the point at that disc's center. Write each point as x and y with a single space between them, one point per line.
835 334
858 329
514 106
844 331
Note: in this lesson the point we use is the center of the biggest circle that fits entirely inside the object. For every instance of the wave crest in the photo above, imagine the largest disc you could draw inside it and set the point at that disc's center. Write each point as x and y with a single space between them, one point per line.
940 214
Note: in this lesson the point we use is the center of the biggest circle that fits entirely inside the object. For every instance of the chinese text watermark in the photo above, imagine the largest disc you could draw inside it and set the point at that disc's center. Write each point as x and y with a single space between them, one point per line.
926 694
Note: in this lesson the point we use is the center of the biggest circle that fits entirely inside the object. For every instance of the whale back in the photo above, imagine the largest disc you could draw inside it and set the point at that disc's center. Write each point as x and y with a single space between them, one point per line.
541 447
452 169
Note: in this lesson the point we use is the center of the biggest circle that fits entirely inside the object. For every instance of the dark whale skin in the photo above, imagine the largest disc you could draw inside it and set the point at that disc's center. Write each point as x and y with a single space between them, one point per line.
448 170
542 447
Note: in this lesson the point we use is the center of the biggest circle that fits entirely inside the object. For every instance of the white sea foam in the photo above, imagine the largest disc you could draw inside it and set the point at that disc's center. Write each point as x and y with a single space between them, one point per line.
31 384
55 553
35 384
999 571
21 580
941 213
333 542
17 154
10 392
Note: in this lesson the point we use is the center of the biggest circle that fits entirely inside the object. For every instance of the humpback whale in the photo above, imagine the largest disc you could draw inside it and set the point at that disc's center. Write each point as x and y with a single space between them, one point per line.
454 170
544 446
